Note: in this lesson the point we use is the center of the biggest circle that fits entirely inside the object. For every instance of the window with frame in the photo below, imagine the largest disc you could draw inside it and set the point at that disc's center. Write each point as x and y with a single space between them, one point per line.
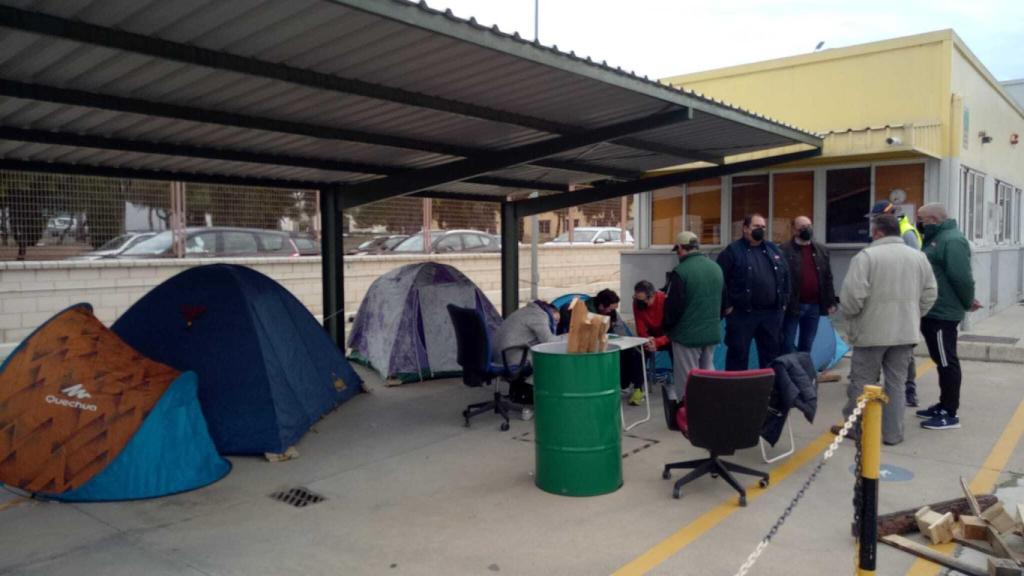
847 201
750 195
666 215
792 196
704 210
972 204
544 226
1004 214
1017 215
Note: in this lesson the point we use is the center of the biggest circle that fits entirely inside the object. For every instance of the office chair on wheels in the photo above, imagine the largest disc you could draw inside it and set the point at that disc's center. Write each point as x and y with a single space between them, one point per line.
724 412
474 355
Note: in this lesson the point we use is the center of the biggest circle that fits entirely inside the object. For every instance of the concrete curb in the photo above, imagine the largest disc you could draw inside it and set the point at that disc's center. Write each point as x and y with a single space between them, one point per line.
981 352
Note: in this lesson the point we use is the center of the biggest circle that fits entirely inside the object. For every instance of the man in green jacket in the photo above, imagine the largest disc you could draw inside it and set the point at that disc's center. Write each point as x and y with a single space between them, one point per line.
693 310
950 256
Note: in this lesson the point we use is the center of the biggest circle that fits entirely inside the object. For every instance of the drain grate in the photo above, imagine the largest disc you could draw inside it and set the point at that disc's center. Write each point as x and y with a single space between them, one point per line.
298 497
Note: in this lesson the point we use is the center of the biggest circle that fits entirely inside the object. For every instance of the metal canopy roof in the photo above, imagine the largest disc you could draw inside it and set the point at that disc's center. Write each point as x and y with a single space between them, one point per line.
372 98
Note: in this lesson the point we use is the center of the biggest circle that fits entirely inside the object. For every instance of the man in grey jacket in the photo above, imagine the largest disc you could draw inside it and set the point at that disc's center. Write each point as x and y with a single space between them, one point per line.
887 290
530 325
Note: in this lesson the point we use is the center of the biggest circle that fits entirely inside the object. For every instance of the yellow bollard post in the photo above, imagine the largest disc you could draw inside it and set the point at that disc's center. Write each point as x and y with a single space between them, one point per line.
870 462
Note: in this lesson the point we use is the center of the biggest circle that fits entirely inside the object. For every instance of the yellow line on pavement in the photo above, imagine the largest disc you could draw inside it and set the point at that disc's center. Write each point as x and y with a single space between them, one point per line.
676 542
984 481
681 538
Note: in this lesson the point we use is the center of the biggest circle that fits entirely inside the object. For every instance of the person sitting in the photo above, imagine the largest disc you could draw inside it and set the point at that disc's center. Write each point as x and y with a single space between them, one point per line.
648 313
530 325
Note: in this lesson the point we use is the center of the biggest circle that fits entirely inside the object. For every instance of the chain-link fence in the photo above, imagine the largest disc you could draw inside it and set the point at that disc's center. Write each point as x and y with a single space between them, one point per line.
54 216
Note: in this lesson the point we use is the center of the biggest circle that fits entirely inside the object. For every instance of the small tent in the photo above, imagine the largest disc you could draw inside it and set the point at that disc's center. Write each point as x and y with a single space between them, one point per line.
405 306
827 349
84 417
267 369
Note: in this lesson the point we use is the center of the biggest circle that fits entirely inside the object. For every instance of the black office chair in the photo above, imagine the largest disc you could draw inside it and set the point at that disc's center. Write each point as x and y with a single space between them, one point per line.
474 355
724 412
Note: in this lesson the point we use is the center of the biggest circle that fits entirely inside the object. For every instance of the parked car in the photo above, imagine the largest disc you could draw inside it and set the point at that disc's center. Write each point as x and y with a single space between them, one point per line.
443 241
379 244
116 246
593 235
306 243
62 226
217 242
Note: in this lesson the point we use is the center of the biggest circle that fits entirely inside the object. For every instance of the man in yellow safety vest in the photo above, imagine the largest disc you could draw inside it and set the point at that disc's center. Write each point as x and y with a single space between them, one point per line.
911 237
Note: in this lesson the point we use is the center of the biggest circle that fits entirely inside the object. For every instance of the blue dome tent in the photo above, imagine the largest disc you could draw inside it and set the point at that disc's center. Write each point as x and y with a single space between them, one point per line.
267 369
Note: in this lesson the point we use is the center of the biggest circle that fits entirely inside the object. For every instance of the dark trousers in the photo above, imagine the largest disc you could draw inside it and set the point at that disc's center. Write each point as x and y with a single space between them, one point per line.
762 326
940 336
631 368
807 323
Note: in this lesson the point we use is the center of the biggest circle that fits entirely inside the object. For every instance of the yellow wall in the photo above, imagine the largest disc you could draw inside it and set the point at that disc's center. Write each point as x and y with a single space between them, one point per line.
992 111
900 81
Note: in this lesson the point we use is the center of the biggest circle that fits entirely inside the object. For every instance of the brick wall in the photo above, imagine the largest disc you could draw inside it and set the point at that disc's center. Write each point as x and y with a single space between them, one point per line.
32 292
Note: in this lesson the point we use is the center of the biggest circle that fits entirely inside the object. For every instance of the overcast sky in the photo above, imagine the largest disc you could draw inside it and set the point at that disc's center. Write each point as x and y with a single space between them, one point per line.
662 38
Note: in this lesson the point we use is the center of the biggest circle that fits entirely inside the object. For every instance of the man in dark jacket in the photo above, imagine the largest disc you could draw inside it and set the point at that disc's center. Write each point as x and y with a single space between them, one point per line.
693 311
755 296
813 294
950 256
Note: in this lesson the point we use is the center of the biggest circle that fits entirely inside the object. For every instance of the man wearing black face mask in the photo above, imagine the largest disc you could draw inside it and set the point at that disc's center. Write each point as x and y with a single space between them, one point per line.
813 294
756 293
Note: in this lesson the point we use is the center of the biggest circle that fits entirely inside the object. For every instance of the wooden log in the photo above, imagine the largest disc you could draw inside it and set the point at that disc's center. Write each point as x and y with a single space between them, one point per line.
922 551
902 522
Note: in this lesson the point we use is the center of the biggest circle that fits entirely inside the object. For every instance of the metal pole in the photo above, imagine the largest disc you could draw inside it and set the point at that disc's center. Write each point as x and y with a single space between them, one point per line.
534 265
428 217
536 20
332 267
534 224
509 259
870 462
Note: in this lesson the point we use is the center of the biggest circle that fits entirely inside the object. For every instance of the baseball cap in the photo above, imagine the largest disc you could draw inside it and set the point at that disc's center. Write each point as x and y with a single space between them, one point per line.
688 239
883 207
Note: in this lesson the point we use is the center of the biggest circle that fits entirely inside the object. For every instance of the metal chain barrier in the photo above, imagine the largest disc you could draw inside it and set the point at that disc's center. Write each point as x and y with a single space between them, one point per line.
843 433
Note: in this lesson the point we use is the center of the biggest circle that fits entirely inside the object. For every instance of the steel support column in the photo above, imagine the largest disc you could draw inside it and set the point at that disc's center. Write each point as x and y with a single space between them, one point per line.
332 266
509 259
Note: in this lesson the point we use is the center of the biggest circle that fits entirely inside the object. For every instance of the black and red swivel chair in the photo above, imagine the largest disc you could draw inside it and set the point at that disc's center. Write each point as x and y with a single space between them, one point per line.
724 412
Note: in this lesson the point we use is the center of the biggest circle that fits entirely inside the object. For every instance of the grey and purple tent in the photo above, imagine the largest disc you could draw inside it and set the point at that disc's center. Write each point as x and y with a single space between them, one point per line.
402 329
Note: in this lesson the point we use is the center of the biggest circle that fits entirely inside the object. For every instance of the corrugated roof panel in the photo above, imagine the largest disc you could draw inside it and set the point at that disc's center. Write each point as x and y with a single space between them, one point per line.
390 43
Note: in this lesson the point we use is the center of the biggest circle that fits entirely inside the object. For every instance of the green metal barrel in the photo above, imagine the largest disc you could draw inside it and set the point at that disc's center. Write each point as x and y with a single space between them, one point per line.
578 424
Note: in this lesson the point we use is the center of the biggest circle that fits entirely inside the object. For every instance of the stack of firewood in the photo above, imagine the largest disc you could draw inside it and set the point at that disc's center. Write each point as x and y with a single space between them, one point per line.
990 529
587 332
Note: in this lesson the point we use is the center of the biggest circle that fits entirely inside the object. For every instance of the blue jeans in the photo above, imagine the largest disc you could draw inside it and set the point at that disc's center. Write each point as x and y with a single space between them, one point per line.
807 322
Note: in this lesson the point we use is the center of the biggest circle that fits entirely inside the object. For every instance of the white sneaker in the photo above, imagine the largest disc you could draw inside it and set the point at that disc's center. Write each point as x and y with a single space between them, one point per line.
527 414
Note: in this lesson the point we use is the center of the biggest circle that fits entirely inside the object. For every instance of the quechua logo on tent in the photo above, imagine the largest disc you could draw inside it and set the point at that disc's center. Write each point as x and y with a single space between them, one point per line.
78 392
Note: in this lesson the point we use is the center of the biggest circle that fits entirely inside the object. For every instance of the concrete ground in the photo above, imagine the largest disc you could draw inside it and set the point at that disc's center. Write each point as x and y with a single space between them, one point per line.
410 491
